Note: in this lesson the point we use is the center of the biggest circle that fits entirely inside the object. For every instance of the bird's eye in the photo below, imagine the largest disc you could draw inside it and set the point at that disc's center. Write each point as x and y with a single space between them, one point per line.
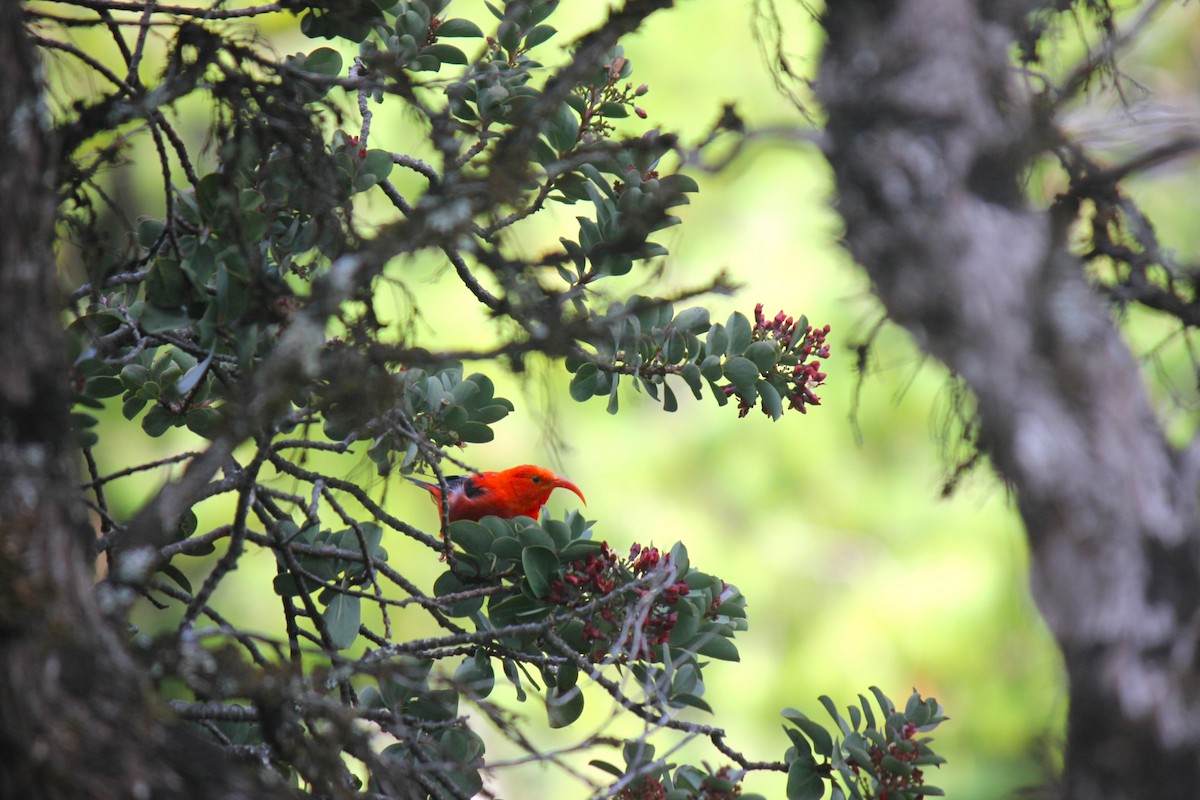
536 479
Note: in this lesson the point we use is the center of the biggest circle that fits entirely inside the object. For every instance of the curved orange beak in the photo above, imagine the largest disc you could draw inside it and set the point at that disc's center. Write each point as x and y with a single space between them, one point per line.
563 483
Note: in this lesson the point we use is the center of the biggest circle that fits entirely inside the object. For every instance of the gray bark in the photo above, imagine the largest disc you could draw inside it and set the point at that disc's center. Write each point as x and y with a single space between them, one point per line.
77 717
927 140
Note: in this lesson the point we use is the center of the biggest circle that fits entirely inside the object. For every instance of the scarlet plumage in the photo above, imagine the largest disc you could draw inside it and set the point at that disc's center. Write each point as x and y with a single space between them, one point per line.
514 492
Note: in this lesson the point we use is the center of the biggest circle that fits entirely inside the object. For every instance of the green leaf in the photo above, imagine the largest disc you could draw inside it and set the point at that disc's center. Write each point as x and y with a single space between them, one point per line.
203 422
475 674
324 61
541 567
637 752
472 537
210 192
578 549
459 29
584 382
445 53
613 402
462 745
154 319
686 699
803 780
679 559
448 584
830 707
717 342
710 368
514 677
563 707
607 767
157 421
534 536
508 34
193 375
166 283
286 585
741 372
687 624
148 232
885 703
475 433
174 573
679 183
669 401
507 547
763 354
79 420
563 129
720 648
914 708
102 386
692 377
868 714
613 110
799 743
132 406
928 758
822 741
740 332
342 618
692 320
439 705
772 403
133 376
539 35
895 766
378 163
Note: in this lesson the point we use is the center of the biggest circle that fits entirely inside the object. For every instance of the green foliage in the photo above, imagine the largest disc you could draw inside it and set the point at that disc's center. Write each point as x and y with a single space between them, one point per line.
406 413
645 339
864 758
246 314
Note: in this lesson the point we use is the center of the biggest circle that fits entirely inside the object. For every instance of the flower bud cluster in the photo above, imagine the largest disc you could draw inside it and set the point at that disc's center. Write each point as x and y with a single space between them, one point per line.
645 788
598 575
801 351
594 118
352 143
725 784
894 781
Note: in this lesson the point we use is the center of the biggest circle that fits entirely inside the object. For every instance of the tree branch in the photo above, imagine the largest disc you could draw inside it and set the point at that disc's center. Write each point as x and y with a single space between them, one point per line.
928 144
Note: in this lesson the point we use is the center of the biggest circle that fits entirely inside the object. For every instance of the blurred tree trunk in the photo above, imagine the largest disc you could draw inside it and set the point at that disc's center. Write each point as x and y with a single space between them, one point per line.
76 717
928 142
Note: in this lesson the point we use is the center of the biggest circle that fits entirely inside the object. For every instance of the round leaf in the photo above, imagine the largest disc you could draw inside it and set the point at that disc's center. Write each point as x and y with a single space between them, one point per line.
741 372
803 780
324 61
459 29
541 567
563 708
342 618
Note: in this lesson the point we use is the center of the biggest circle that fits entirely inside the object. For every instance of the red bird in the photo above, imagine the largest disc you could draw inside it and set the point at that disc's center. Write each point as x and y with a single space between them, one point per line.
514 492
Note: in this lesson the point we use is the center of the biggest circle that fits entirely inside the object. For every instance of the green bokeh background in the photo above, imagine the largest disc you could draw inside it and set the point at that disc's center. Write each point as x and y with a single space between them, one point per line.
858 571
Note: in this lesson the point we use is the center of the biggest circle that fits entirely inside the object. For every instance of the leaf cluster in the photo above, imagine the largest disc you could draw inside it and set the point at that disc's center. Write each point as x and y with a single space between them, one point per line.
244 311
873 757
